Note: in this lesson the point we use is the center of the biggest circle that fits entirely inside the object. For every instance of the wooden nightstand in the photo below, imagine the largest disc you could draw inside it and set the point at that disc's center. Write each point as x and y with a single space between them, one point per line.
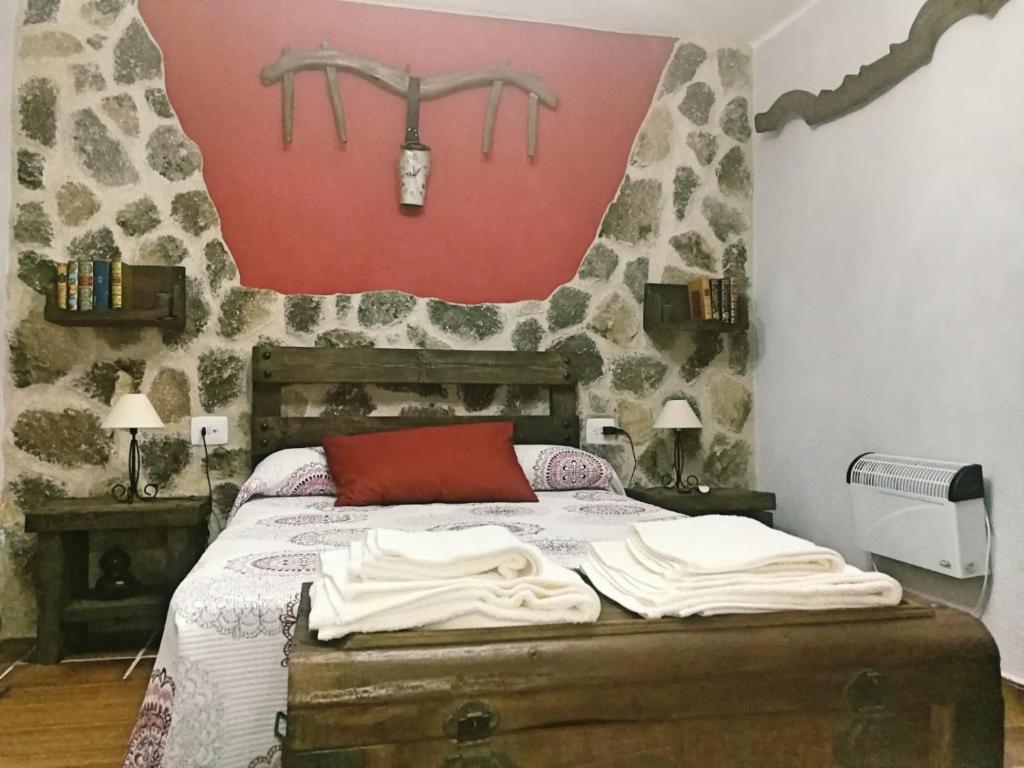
721 501
64 594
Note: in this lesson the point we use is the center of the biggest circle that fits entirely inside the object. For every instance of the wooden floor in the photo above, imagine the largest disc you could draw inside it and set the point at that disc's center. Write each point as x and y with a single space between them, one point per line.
79 715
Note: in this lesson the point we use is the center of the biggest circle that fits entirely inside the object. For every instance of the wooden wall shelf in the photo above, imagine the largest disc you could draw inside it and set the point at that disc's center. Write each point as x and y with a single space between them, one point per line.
151 296
667 308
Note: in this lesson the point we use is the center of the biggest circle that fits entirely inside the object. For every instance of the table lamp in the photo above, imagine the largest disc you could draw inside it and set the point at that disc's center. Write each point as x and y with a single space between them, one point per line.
678 415
133 412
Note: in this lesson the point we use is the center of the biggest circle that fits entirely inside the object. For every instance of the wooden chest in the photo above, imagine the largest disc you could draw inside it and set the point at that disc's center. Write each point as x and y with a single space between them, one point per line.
907 686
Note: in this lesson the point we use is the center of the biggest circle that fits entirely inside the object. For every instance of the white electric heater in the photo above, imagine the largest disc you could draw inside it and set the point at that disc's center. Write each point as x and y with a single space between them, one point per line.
927 513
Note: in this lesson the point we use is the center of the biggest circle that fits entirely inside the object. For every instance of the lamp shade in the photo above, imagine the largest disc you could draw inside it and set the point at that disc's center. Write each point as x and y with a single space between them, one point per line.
133 412
677 414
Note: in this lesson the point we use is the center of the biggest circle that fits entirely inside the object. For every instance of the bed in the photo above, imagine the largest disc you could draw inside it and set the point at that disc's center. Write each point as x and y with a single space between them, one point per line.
239 680
221 674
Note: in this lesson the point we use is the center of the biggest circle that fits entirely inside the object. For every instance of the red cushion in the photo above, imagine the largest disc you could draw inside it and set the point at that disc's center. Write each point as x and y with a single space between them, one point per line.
462 463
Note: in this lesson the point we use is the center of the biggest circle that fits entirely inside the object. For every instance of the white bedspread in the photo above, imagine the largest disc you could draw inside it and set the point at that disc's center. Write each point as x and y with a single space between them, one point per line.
222 670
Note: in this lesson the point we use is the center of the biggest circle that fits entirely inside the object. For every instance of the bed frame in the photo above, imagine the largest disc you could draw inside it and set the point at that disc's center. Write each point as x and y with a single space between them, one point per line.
274 368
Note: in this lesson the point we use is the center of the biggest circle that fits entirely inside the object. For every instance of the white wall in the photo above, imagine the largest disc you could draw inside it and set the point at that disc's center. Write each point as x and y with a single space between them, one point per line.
8 21
889 249
713 20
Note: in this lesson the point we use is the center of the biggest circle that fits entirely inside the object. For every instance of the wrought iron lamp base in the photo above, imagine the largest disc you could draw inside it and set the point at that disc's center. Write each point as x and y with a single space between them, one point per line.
691 483
129 494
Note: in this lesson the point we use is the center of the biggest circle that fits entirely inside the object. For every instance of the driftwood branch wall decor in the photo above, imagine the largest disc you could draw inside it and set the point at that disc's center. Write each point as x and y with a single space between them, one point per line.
414 160
881 76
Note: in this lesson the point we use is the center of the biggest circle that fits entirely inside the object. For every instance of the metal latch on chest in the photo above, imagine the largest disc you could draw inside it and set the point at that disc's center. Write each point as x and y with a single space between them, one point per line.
471 726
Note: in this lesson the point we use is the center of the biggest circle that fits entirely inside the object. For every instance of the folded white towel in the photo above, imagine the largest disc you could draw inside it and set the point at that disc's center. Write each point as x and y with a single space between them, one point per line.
720 544
616 573
489 551
341 604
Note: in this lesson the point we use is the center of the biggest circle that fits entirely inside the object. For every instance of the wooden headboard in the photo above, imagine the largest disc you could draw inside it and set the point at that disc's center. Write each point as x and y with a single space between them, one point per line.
276 367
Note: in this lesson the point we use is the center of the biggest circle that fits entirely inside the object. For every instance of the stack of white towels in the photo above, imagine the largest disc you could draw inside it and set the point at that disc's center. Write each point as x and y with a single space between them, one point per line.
477 577
716 564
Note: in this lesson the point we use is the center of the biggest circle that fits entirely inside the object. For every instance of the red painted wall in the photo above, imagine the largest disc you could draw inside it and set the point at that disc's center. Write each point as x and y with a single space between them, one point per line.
321 217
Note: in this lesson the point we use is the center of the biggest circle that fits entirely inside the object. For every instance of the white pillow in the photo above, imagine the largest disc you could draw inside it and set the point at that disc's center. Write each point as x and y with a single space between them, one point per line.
289 472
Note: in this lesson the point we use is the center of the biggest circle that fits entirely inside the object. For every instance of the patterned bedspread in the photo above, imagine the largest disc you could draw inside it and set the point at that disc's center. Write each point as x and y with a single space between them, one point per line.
222 671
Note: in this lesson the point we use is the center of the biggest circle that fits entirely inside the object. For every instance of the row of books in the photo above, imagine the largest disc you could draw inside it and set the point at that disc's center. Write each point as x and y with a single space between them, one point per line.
714 298
86 285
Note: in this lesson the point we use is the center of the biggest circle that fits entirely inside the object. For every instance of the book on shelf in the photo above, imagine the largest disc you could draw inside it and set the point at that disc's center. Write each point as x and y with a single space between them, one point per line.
115 284
73 286
734 299
62 286
101 285
84 285
716 298
700 298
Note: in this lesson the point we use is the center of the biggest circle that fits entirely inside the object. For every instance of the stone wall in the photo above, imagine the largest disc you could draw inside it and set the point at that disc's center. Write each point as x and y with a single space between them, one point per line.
103 170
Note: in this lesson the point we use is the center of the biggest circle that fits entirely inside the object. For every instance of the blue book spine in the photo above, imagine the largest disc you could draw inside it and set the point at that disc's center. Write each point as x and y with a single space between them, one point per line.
101 285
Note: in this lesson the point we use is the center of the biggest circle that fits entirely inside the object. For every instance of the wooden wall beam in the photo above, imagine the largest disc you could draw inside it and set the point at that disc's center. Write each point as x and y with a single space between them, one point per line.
881 76
397 82
277 366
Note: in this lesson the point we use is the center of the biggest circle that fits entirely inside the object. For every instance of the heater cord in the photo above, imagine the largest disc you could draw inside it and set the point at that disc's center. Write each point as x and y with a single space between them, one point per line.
982 604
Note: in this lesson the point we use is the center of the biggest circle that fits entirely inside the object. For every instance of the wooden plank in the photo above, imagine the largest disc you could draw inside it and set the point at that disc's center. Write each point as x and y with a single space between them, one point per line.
563 410
615 621
146 607
181 555
532 116
943 735
51 595
310 365
719 500
490 116
287 102
69 714
879 77
272 433
105 513
397 82
334 93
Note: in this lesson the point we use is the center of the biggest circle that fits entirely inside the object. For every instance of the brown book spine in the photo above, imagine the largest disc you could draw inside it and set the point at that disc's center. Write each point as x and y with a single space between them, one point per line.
696 299
62 286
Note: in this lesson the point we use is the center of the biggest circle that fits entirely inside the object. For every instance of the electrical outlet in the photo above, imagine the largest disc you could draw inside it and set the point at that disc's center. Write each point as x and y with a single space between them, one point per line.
216 430
594 435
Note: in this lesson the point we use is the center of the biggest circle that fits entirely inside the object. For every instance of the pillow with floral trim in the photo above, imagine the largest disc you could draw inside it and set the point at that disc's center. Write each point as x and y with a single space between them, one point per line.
564 468
289 472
